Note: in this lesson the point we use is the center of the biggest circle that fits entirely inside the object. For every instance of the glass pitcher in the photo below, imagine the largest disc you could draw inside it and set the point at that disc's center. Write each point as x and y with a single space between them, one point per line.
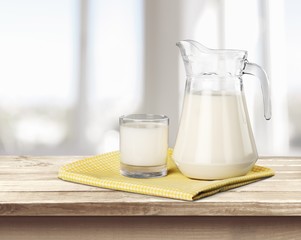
215 139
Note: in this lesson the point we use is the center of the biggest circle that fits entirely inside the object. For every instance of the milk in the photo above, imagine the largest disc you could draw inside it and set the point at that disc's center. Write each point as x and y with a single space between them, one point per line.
143 144
214 139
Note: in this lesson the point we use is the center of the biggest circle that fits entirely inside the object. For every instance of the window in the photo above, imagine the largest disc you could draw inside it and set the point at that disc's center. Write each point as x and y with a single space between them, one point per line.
68 70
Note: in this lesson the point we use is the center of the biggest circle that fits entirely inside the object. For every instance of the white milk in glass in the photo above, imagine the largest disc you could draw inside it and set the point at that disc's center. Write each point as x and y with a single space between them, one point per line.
214 137
143 144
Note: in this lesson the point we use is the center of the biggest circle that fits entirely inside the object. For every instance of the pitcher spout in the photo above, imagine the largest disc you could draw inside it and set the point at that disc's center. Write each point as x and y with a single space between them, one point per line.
200 60
192 48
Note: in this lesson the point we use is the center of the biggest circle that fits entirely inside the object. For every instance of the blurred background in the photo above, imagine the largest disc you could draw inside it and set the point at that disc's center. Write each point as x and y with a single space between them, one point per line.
70 68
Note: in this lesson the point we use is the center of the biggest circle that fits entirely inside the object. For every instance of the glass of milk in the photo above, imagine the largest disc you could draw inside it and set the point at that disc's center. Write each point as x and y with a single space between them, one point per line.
143 145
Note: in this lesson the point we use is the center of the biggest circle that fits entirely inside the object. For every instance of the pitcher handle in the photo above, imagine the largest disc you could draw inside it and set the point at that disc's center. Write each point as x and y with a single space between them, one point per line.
255 70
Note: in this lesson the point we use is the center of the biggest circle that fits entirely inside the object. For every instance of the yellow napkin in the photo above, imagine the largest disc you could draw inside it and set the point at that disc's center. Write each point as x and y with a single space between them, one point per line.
103 171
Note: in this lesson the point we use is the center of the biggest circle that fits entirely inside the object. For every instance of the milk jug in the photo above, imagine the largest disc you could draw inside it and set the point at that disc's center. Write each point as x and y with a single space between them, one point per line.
215 139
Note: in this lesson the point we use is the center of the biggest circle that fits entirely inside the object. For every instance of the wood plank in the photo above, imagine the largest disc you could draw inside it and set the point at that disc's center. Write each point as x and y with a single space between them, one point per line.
37 161
33 163
29 186
61 159
24 157
149 208
58 185
119 197
37 158
39 164
271 184
51 168
31 176
55 168
279 158
114 203
281 168
51 175
286 175
271 162
58 160
134 228
44 186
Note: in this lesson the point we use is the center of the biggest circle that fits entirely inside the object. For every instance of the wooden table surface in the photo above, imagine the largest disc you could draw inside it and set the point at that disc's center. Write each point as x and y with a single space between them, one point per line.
29 187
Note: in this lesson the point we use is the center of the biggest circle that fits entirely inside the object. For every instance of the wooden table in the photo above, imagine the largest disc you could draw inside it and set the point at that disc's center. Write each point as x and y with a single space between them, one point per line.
34 204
